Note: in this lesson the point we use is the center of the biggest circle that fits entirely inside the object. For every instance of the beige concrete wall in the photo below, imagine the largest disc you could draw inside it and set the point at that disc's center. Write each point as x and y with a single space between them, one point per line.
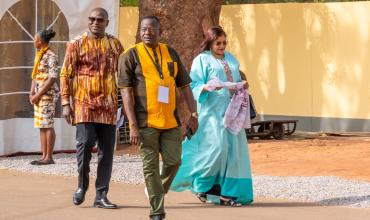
128 22
301 59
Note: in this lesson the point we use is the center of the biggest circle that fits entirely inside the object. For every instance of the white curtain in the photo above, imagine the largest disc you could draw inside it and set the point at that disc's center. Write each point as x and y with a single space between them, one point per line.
19 22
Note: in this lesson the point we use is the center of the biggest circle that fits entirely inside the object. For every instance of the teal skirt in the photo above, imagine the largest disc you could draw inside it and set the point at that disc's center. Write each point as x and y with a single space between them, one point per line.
215 159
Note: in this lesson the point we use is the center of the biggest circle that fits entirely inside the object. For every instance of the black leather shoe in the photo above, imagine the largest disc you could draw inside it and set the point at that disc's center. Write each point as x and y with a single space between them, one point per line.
79 196
104 203
156 217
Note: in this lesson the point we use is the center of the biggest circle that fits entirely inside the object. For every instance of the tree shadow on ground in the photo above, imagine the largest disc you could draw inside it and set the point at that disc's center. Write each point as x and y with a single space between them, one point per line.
345 201
253 205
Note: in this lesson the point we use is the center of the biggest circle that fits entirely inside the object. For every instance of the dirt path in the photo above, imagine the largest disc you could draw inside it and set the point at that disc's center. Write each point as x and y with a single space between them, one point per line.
37 196
347 157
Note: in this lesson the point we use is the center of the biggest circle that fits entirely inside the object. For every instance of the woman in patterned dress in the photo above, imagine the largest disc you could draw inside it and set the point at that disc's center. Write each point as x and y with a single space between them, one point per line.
215 161
44 94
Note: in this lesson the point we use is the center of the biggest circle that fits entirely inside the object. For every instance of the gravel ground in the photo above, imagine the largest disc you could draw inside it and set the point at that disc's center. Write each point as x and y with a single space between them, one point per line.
326 190
127 169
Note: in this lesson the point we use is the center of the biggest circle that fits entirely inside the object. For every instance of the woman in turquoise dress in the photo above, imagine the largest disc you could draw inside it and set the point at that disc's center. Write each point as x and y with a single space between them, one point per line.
215 161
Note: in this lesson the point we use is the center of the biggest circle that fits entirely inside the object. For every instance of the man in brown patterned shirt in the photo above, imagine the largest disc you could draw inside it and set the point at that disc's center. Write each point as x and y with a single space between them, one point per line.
89 99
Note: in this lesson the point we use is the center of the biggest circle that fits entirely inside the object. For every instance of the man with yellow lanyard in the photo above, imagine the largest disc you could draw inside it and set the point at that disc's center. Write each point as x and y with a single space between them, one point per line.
148 75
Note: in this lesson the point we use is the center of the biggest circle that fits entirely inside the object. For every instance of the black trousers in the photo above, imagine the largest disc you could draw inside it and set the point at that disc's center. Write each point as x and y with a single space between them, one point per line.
87 135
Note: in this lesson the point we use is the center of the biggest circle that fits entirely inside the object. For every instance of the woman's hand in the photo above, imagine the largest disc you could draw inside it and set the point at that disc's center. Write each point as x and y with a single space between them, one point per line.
211 88
246 85
232 91
35 99
30 97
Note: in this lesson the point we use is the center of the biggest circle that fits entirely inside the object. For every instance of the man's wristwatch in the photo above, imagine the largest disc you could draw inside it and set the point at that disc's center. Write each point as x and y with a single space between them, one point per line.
194 115
132 125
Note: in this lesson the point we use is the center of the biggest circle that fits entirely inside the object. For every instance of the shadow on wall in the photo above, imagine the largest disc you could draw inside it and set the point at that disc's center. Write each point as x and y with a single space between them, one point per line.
339 34
127 27
299 62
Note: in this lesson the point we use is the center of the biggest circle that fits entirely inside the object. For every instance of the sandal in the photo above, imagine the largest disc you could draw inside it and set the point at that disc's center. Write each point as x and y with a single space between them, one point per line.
202 197
225 201
43 162
35 162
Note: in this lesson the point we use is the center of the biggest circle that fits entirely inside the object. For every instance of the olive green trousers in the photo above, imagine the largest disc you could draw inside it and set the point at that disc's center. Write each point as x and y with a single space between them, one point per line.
168 144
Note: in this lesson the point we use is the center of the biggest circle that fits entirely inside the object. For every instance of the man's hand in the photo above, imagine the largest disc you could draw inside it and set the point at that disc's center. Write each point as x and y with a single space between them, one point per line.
193 124
128 105
134 135
68 114
192 105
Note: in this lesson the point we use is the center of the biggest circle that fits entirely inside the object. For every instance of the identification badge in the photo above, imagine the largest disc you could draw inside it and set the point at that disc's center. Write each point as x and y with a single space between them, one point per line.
163 94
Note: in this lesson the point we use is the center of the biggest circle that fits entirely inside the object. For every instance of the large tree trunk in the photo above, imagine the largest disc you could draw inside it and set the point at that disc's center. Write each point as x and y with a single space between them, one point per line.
183 23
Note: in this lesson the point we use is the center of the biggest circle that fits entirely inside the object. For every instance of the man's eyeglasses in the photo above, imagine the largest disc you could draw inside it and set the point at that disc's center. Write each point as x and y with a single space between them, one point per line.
218 43
150 30
98 20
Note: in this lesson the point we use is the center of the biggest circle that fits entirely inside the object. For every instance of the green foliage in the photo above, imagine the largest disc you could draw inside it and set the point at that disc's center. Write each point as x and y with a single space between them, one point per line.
129 3
230 2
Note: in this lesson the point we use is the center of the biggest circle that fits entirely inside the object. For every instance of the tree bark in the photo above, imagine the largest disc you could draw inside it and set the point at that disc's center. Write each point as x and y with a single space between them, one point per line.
183 23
